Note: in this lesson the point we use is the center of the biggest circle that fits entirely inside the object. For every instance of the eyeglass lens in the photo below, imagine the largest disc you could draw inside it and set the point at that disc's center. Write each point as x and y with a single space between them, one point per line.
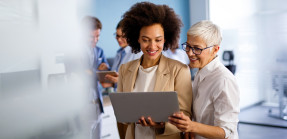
195 50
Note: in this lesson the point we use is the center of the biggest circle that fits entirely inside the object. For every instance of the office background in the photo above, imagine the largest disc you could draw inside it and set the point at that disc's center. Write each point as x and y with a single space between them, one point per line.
254 30
37 35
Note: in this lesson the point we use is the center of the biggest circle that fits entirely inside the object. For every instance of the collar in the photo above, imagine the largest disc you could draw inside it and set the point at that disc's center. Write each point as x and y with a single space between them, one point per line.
162 73
207 69
120 50
162 66
128 49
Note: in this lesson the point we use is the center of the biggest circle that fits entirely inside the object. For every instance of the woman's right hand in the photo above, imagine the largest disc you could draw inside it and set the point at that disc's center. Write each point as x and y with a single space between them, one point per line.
181 121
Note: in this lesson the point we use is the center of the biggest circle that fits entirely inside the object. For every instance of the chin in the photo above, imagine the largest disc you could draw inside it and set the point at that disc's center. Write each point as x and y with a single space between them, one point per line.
193 66
152 57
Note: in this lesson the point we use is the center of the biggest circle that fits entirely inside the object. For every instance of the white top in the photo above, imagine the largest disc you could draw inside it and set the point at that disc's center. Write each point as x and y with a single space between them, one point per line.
216 98
145 83
178 55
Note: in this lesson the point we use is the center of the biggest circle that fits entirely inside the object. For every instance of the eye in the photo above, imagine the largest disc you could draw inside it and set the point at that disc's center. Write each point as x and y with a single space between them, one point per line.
158 40
145 40
187 45
197 49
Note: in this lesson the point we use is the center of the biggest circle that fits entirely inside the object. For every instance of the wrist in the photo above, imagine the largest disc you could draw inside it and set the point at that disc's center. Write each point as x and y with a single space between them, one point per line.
193 126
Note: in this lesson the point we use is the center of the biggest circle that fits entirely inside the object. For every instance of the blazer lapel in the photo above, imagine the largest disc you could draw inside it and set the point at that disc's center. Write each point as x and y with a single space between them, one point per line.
132 74
162 74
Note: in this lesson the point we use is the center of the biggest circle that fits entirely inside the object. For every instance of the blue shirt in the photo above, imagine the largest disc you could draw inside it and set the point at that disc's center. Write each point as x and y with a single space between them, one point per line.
123 56
97 57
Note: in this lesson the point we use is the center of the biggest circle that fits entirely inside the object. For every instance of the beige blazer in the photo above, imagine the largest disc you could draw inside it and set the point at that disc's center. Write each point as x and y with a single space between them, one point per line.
171 75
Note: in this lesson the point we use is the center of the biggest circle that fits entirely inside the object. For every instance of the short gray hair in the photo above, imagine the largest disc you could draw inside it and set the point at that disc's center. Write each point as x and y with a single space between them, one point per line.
206 30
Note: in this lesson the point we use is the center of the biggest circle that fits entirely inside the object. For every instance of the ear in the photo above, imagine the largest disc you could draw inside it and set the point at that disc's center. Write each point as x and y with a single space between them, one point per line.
216 49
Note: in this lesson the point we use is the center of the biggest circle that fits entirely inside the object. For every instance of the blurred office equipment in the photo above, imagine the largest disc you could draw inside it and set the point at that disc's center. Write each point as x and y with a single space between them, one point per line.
229 56
279 84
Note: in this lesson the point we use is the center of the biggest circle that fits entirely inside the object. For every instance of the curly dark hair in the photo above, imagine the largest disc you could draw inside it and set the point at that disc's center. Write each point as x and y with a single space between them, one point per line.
120 24
145 14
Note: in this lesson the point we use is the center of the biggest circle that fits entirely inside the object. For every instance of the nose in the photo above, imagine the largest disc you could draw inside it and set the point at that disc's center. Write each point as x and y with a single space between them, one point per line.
119 39
190 52
96 39
152 44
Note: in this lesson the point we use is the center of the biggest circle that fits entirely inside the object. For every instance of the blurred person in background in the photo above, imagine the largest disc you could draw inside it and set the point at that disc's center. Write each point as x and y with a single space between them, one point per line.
96 61
124 55
176 54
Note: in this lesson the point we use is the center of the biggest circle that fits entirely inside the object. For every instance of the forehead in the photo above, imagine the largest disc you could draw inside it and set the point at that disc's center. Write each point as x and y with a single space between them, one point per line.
119 31
154 30
96 31
195 40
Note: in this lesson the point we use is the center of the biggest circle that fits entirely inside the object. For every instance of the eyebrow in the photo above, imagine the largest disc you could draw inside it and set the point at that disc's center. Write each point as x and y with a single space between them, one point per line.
197 46
149 37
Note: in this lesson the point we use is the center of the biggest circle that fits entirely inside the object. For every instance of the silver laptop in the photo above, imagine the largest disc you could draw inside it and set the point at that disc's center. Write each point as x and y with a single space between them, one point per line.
130 106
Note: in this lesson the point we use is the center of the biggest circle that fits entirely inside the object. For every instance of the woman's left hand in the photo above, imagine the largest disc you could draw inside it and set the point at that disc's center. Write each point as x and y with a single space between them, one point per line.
181 121
151 123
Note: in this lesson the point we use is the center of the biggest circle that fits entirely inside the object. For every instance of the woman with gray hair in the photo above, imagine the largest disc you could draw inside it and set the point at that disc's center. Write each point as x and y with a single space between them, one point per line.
215 90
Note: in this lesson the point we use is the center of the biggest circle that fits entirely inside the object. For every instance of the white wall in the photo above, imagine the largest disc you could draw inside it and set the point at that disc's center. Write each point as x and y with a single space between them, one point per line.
199 10
256 31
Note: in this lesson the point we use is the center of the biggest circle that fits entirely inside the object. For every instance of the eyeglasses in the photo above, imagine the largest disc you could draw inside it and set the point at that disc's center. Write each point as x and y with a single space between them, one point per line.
197 51
119 36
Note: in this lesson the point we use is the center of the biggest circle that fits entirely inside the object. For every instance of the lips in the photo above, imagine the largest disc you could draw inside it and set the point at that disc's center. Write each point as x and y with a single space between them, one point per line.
152 52
193 59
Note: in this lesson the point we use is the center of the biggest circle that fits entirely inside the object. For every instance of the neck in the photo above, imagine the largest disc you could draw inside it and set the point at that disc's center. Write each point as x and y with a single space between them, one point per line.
123 47
146 63
208 62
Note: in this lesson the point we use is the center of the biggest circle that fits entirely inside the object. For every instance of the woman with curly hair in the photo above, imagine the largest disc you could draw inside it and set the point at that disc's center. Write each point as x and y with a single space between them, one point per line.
151 29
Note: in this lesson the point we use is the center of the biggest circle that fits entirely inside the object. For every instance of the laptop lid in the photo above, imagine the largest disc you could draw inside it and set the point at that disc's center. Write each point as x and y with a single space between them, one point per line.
130 106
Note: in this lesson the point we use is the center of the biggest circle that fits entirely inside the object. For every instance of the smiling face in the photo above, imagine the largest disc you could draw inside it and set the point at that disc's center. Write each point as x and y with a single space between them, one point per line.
95 35
122 41
207 55
151 40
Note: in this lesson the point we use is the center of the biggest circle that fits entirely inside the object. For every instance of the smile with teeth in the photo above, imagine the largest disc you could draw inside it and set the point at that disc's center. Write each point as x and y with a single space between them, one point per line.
152 52
193 59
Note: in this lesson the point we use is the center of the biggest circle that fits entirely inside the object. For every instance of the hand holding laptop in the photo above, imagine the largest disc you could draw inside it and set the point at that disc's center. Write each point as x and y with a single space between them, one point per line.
149 122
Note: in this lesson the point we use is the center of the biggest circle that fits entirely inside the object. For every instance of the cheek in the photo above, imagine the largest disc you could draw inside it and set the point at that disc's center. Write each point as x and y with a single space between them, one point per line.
125 41
161 45
142 47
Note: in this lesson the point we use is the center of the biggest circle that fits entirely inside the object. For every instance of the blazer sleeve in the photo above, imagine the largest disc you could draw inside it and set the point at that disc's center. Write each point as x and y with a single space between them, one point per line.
183 87
120 80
